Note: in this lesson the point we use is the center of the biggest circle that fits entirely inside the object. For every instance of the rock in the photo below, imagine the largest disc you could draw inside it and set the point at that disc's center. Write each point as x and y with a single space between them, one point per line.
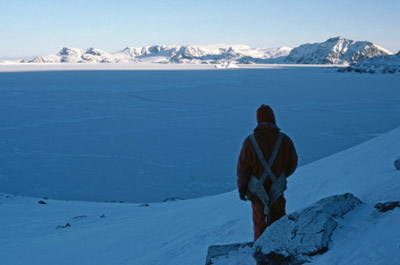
172 199
217 253
42 202
397 163
79 217
295 238
386 206
64 226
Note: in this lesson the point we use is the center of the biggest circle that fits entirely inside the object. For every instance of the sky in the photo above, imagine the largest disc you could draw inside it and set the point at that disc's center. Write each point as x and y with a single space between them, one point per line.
41 27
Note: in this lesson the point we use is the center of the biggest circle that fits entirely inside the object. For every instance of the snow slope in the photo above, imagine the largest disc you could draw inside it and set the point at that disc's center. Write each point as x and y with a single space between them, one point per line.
365 170
179 232
337 50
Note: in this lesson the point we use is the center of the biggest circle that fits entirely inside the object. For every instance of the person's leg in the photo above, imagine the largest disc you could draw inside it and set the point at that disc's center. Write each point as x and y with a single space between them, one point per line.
259 224
277 210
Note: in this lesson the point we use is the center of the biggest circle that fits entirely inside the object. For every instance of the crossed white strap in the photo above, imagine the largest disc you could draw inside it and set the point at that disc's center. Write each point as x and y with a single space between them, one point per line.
267 165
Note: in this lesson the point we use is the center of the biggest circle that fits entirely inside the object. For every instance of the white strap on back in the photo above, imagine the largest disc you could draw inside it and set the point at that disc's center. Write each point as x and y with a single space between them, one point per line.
267 165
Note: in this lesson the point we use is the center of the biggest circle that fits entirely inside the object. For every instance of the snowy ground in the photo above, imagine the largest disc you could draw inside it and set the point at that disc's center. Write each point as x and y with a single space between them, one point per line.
143 136
367 171
180 232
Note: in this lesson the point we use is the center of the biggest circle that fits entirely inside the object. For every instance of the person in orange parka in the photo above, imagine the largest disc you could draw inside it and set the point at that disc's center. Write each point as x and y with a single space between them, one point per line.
266 134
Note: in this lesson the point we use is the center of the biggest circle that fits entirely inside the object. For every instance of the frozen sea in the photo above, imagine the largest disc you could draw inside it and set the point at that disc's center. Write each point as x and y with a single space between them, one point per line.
143 136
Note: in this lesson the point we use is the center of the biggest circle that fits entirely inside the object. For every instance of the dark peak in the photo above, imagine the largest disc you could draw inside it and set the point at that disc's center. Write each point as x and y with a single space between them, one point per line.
67 51
336 39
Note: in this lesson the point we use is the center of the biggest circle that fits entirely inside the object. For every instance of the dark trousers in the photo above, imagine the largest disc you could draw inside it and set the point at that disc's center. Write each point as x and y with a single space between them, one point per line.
277 211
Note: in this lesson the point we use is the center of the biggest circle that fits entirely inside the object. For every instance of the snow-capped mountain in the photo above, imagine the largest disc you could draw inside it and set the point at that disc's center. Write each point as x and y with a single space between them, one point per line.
169 54
337 50
73 55
378 64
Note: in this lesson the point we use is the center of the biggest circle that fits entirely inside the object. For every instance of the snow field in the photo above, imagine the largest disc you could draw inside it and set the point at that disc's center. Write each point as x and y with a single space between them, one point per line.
179 232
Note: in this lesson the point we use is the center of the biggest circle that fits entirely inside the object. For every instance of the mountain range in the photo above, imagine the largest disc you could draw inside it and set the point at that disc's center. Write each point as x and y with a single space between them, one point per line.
337 50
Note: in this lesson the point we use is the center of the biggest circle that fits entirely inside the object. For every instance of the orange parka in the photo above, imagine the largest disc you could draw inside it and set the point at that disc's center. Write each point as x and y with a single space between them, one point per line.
266 135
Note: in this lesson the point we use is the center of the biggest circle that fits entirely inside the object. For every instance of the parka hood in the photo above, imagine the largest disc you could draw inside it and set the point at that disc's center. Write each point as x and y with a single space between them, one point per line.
265 114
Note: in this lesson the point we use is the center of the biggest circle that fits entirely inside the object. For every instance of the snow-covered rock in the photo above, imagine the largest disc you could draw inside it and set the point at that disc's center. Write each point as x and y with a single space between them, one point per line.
300 235
74 55
337 50
378 64
45 59
226 65
293 239
70 55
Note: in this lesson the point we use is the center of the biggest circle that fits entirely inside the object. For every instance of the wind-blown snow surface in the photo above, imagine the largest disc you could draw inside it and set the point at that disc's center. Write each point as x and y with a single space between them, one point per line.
180 232
143 136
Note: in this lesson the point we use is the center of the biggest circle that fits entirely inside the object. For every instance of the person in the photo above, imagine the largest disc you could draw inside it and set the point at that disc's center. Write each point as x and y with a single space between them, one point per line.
266 136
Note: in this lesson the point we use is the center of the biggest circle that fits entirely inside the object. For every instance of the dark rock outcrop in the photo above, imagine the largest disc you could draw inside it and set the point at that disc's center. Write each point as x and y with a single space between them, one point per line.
63 226
397 163
172 199
386 206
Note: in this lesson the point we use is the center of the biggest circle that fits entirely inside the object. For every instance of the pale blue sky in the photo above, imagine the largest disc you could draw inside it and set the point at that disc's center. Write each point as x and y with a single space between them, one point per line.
29 27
